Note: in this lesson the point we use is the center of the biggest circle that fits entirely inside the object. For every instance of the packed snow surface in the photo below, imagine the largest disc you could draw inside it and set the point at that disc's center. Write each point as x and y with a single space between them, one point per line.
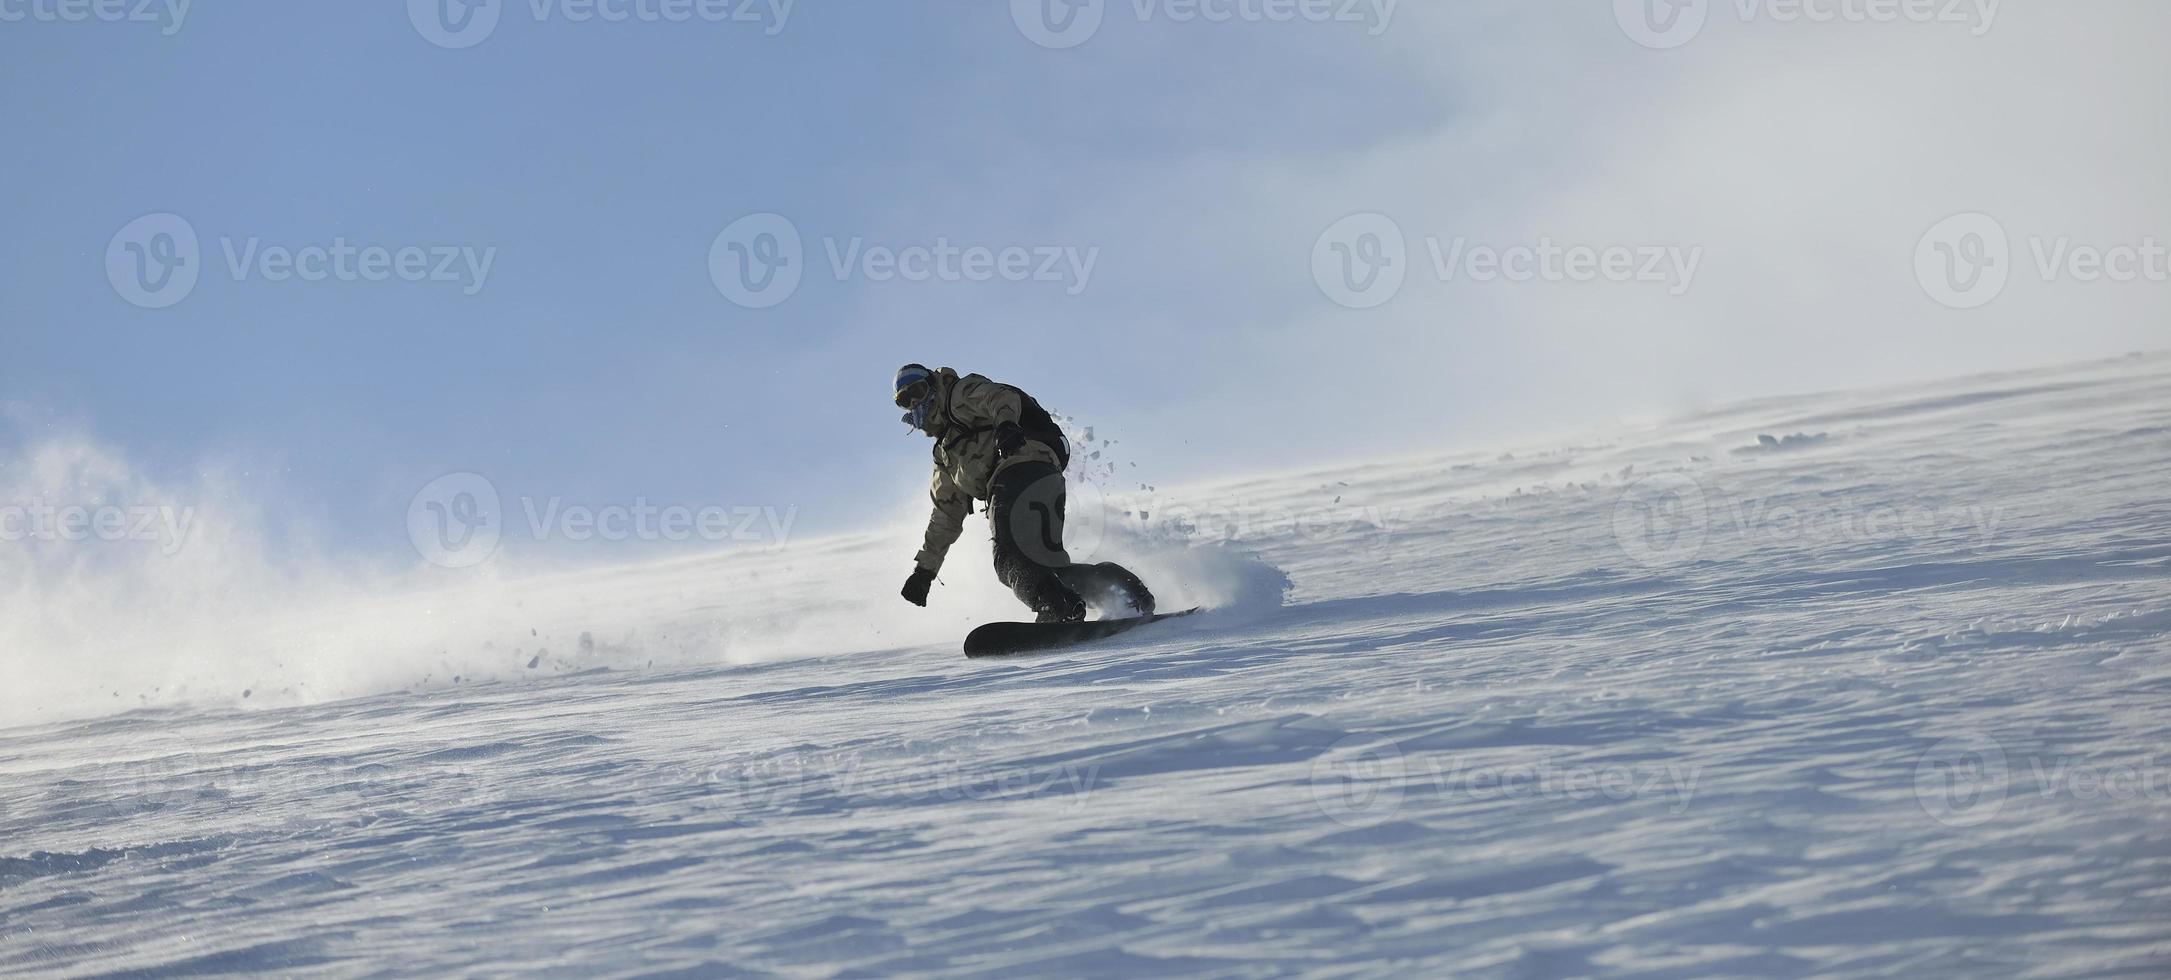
1866 683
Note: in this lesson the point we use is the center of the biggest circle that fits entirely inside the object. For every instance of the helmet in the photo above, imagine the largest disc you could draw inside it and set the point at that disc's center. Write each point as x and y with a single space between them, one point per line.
915 392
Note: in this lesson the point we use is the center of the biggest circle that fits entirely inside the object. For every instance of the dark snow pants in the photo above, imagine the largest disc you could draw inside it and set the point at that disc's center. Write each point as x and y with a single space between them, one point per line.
1025 511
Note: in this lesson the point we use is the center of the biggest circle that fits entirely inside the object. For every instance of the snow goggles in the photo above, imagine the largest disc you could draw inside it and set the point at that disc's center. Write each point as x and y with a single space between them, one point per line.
916 395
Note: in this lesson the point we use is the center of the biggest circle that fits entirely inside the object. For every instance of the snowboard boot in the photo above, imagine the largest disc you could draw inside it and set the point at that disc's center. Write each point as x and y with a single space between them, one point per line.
1056 603
1109 589
1127 588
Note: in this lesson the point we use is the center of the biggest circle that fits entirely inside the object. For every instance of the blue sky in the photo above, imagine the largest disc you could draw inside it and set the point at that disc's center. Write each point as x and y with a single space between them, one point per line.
1199 163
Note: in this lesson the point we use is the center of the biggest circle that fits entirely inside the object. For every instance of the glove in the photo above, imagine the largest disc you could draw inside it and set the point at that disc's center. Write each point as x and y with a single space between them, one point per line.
915 591
1008 440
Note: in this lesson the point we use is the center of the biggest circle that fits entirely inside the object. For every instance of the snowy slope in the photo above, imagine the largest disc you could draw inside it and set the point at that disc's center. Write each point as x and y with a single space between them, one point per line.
1885 698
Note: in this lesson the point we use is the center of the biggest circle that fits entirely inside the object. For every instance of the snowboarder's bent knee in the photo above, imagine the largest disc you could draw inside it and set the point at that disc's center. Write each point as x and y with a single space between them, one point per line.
995 445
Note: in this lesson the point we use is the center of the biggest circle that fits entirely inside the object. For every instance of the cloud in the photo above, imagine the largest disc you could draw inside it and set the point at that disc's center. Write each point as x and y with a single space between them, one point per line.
1797 163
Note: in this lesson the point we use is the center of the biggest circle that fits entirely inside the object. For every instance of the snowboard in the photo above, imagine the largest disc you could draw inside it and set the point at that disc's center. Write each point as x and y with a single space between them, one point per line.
1011 639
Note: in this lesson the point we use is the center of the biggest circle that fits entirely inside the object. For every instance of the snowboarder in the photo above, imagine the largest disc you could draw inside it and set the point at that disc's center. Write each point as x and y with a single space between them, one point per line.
995 444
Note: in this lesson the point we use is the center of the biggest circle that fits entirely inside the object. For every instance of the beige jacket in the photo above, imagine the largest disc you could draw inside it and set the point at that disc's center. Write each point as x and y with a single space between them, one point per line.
971 407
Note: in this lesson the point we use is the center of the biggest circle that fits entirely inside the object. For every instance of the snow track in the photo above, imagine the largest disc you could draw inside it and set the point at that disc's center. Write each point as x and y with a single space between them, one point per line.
1659 702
